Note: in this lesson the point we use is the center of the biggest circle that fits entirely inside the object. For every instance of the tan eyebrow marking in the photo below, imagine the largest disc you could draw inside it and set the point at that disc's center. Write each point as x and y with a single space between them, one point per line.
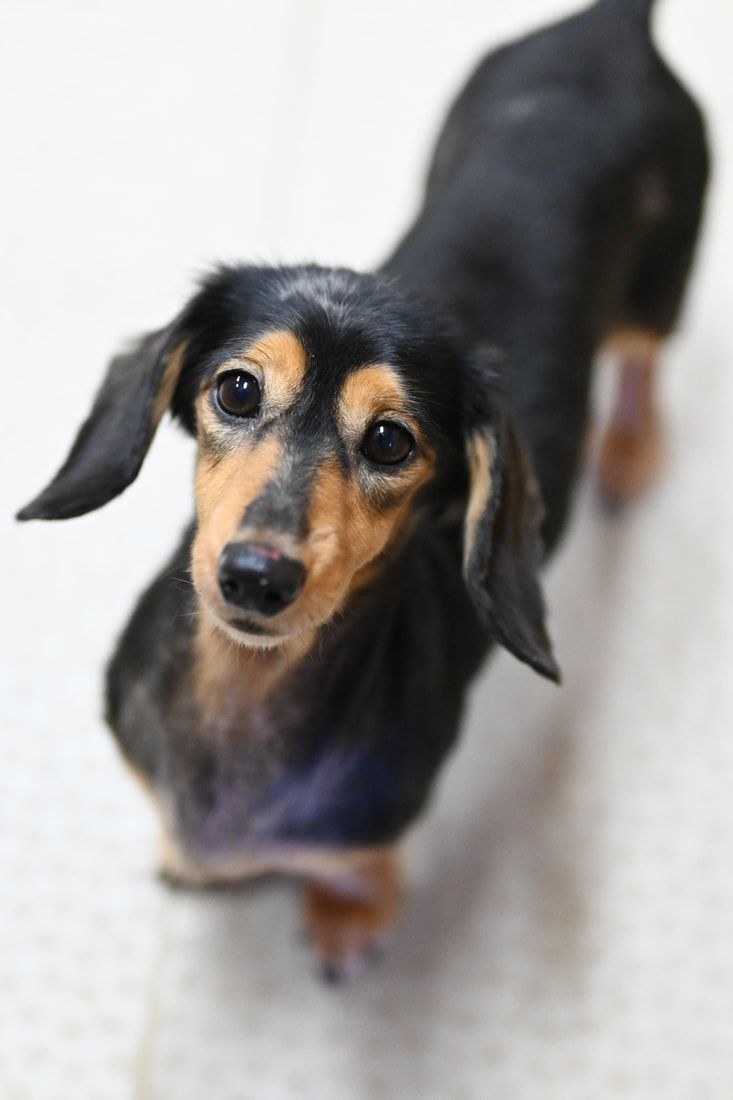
282 361
367 392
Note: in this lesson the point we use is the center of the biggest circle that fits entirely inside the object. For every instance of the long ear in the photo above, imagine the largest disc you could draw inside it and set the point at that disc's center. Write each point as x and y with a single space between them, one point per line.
112 442
502 548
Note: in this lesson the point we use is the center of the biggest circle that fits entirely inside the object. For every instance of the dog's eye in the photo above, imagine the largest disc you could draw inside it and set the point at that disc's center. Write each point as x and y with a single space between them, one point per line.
238 393
388 443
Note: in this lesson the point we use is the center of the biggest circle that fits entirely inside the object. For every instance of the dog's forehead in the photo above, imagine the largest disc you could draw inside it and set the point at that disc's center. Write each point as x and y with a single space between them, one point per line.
335 374
317 329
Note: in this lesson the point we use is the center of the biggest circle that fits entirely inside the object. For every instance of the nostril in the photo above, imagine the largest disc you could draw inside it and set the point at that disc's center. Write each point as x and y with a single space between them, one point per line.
271 598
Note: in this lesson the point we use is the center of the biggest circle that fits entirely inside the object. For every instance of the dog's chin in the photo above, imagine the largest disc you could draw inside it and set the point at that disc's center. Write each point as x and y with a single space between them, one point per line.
246 632
249 634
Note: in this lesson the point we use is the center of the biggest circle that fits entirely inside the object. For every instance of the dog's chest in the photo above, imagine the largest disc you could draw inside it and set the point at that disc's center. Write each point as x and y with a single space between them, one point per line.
274 778
340 749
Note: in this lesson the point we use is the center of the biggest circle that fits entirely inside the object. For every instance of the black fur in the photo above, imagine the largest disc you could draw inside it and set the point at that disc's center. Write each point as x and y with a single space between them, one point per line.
564 199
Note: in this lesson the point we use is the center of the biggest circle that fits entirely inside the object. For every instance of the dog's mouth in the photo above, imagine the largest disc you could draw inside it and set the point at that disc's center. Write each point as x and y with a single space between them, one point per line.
249 626
246 631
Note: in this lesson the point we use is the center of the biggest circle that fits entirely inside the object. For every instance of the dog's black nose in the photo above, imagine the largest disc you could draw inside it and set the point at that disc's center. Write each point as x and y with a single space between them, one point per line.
255 577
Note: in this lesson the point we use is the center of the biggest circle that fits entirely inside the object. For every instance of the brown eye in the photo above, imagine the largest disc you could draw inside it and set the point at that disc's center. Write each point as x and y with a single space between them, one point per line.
388 443
238 393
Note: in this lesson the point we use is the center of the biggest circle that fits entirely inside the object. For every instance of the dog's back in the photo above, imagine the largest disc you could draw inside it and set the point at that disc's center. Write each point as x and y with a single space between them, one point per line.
563 204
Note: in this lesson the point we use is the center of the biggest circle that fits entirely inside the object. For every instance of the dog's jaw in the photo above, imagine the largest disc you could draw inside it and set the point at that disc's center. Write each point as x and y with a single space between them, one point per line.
243 635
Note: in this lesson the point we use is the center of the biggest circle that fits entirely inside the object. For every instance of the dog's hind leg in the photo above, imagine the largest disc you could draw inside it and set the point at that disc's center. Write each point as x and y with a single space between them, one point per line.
670 206
631 449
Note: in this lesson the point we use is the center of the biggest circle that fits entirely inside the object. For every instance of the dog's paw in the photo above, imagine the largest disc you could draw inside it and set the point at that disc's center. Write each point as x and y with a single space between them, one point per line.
348 935
180 878
176 870
349 918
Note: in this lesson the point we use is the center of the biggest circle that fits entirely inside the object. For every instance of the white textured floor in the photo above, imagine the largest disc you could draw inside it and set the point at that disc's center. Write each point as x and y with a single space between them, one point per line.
569 932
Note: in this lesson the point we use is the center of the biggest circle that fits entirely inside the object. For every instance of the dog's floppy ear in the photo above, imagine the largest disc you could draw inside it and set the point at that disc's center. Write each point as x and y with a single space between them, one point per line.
502 547
112 442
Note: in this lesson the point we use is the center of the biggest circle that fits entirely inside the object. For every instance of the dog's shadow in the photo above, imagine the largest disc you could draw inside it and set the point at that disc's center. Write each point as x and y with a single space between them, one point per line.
500 880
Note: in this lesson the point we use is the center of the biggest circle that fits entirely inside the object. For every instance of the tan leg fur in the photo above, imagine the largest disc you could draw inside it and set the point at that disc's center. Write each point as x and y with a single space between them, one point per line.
630 455
350 912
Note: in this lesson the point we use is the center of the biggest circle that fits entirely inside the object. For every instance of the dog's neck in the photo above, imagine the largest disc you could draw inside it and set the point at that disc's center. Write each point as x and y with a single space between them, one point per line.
239 688
231 679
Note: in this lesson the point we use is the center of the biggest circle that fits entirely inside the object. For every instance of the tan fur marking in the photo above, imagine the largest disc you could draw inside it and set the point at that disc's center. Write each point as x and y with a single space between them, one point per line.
348 532
331 865
175 866
328 552
634 343
231 679
283 359
320 864
350 525
480 450
225 486
631 449
278 360
223 490
168 382
350 913
226 483
171 861
371 391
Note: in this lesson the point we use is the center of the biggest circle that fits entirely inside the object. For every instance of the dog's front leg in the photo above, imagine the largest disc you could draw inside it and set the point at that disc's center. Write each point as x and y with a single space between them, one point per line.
350 910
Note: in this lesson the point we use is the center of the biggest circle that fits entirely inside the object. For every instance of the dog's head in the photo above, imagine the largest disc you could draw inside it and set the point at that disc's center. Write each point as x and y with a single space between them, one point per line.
333 416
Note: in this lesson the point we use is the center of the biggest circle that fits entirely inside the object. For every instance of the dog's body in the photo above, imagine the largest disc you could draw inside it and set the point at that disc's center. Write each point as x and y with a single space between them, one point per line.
597 163
562 206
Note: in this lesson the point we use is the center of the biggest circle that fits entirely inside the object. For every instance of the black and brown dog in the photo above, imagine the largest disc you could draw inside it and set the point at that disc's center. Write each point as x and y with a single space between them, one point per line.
374 490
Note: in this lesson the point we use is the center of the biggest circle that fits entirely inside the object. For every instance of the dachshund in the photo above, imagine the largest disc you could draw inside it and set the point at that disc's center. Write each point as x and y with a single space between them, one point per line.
384 461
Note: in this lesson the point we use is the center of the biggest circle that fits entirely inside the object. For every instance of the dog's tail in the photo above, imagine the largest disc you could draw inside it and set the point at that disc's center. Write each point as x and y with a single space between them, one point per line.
640 11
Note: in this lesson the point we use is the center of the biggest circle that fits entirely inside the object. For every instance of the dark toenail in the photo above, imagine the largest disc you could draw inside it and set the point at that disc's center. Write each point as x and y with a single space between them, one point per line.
331 973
